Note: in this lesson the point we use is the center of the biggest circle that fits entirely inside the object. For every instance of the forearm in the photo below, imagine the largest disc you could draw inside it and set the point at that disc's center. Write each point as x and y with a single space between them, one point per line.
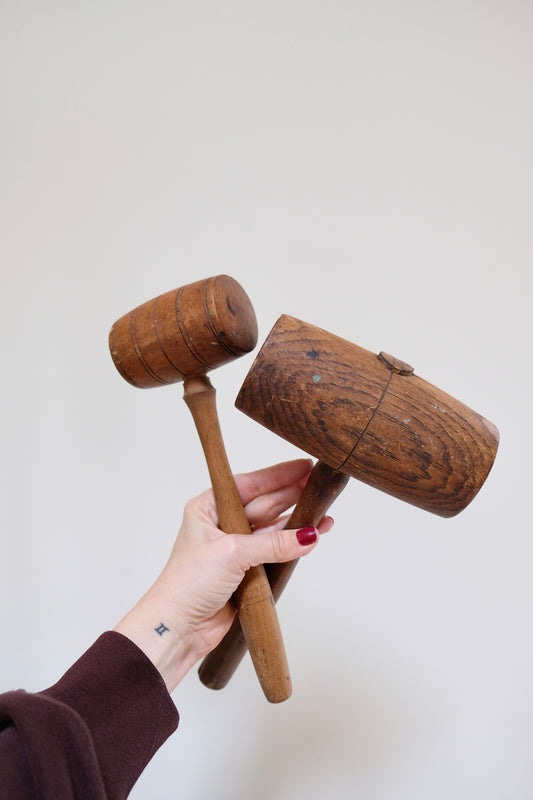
93 732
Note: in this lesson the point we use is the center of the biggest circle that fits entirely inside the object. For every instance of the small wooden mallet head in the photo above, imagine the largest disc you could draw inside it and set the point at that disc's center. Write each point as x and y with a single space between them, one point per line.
185 332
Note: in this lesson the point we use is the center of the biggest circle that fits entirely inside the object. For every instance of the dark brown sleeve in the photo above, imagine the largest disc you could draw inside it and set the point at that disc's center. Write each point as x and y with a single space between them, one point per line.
91 734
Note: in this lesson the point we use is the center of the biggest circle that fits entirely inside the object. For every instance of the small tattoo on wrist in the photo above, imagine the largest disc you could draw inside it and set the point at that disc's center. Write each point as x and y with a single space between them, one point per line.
162 629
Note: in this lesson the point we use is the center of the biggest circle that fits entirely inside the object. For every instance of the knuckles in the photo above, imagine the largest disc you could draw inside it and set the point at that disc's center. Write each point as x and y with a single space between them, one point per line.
250 551
281 546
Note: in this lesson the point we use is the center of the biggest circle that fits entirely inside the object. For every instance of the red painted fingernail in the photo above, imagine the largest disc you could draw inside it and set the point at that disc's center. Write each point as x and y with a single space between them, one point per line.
306 535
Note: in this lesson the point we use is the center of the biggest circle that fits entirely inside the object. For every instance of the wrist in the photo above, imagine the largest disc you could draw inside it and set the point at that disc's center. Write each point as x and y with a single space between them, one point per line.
167 644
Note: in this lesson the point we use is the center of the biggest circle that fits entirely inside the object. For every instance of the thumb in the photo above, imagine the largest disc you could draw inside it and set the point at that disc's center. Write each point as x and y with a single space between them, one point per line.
279 546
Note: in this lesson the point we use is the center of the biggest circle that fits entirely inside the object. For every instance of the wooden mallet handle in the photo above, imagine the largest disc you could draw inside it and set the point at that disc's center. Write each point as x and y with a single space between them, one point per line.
259 626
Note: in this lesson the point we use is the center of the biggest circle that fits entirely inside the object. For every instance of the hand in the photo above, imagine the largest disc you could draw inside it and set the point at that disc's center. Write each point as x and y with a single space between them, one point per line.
188 610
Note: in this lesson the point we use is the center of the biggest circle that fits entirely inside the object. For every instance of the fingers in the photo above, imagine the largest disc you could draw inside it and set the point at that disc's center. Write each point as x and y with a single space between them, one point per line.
278 546
265 493
269 507
325 525
270 480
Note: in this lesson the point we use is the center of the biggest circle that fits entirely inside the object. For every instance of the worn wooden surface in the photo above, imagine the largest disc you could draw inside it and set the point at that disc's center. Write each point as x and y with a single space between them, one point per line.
370 416
187 331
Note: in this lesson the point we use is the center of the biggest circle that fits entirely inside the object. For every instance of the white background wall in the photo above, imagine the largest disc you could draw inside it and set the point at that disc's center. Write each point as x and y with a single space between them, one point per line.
365 166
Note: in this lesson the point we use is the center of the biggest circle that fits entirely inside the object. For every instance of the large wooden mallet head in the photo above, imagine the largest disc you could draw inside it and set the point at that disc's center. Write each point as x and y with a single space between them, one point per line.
369 416
180 336
361 415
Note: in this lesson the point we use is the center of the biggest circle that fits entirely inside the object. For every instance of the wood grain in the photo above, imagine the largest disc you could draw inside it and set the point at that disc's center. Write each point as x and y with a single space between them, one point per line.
187 331
375 420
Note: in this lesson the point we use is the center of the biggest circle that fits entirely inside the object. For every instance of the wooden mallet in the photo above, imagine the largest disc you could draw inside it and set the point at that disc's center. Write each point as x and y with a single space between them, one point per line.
362 415
180 336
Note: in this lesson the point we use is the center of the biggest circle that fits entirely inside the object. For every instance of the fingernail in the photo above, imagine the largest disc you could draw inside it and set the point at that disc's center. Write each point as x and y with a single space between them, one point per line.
306 535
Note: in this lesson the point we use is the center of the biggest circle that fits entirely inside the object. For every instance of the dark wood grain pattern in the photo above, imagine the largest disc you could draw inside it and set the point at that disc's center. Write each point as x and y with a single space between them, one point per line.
370 417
